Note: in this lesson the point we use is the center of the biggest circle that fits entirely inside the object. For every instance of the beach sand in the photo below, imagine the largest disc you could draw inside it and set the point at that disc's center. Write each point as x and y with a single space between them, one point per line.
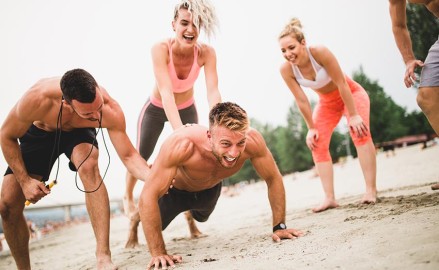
400 232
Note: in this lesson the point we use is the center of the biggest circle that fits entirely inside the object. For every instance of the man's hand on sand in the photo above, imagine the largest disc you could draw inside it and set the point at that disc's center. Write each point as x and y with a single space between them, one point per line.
163 261
286 234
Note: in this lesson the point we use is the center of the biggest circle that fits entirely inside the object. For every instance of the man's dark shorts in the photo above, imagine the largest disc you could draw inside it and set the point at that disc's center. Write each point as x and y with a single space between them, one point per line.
201 204
40 148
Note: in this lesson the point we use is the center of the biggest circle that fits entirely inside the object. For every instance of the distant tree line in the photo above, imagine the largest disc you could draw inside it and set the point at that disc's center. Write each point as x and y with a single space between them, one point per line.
388 120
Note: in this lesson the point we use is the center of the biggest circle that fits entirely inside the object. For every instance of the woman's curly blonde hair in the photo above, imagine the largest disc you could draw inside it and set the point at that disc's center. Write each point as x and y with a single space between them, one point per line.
203 14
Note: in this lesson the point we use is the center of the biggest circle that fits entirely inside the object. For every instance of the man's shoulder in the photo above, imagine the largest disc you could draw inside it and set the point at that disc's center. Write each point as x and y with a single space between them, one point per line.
189 133
255 143
44 91
188 136
254 133
190 130
178 147
45 84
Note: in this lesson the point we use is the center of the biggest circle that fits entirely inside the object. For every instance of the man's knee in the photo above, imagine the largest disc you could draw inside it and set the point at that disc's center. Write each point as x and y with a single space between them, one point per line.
12 200
428 98
9 209
200 216
88 170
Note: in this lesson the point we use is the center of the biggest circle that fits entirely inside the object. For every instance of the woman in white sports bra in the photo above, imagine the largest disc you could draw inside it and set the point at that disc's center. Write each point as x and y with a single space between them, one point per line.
317 68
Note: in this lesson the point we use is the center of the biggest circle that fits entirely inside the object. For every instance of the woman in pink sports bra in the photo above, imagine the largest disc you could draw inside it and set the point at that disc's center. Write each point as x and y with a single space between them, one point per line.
176 63
317 68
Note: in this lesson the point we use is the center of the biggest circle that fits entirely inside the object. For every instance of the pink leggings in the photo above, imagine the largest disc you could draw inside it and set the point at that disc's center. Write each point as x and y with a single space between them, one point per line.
328 113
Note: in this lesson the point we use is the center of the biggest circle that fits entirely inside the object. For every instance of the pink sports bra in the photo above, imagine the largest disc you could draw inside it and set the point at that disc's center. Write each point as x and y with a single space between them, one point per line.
178 85
322 77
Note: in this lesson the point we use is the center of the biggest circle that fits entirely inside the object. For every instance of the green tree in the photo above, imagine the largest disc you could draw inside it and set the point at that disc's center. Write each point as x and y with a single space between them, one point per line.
423 27
291 146
386 117
417 123
340 142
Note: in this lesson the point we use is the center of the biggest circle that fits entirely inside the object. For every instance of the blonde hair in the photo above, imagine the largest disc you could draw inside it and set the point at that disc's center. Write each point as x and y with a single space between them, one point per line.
202 12
229 115
293 27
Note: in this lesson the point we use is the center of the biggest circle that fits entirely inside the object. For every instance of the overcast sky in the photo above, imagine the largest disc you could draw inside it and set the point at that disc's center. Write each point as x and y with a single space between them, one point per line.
112 40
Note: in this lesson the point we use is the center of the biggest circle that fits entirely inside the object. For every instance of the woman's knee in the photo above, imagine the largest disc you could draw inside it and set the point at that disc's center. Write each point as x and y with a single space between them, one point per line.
321 155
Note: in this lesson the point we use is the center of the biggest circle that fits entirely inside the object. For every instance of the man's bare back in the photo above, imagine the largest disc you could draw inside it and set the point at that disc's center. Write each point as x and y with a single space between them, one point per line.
46 97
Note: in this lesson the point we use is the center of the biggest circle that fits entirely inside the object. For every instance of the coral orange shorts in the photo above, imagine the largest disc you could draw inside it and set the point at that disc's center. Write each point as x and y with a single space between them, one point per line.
327 115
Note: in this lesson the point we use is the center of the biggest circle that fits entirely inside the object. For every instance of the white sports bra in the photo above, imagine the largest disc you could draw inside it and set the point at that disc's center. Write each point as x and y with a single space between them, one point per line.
322 77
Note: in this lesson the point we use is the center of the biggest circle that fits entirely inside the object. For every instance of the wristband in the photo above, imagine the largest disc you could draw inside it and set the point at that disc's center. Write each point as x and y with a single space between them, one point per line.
280 226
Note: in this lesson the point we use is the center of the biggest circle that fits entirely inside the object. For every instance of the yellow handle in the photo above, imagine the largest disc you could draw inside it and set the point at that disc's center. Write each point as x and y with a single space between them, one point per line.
49 186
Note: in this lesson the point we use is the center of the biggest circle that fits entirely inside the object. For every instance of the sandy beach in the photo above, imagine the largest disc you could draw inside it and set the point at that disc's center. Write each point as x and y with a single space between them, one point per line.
399 232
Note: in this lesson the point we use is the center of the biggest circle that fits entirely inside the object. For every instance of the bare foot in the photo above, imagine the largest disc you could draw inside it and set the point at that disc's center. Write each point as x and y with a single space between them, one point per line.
195 232
130 209
198 234
105 263
435 186
133 239
327 204
369 198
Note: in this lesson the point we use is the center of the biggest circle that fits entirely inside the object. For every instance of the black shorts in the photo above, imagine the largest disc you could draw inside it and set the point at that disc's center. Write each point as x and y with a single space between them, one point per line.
151 123
40 148
201 204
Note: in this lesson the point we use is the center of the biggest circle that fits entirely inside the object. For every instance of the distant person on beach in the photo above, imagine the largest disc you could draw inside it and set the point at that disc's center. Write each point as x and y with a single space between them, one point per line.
32 229
388 148
177 62
56 116
317 68
428 92
195 159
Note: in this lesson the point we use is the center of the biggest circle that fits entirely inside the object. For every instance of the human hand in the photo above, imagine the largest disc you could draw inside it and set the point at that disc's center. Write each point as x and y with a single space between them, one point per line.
311 138
163 261
34 190
286 234
357 125
410 76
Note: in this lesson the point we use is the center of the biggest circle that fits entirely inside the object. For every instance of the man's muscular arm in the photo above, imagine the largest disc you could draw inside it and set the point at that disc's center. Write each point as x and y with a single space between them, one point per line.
397 9
174 151
114 121
266 167
18 121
